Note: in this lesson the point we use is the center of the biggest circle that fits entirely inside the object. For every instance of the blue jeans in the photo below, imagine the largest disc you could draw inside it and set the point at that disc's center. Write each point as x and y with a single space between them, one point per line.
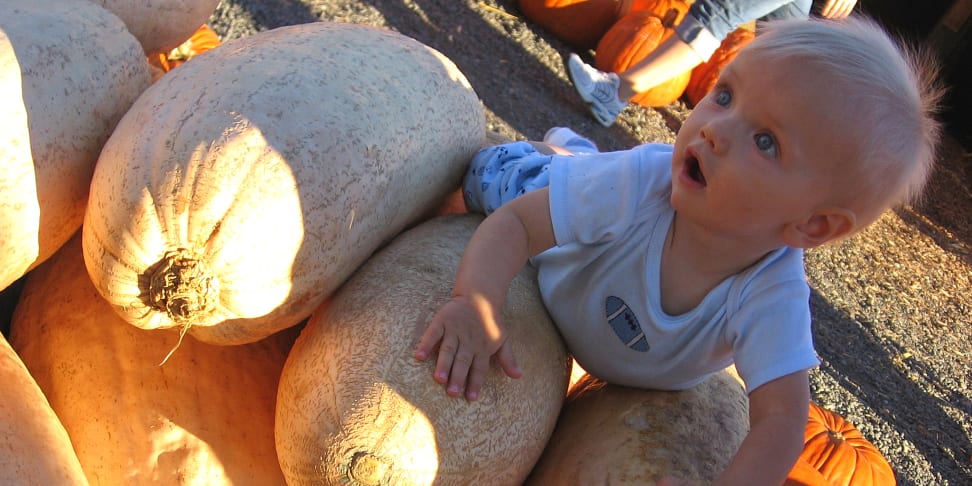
710 21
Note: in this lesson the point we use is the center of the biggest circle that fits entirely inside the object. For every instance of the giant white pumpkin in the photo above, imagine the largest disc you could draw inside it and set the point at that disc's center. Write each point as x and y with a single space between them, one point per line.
611 434
355 407
69 70
205 417
161 25
242 188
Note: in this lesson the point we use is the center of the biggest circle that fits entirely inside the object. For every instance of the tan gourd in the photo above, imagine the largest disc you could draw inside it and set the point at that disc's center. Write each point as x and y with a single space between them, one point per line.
244 187
354 406
204 418
36 448
69 70
161 25
611 434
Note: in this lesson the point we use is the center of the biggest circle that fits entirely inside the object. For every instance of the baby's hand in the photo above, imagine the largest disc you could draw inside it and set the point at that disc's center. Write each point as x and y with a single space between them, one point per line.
468 333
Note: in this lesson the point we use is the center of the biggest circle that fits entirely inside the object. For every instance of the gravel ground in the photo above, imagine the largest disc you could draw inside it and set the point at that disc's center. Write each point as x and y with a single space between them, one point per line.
891 306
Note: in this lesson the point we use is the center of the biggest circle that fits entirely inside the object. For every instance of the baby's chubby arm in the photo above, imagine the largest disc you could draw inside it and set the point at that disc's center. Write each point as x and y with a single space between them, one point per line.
777 421
468 329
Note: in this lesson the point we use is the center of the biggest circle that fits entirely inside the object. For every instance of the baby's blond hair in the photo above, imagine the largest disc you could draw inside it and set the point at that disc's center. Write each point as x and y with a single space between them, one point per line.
888 87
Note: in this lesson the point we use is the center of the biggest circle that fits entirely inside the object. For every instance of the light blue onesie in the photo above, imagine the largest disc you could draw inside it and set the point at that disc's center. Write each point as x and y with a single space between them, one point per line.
611 215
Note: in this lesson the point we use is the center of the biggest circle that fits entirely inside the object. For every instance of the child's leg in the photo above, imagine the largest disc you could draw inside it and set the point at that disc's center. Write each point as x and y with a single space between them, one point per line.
500 173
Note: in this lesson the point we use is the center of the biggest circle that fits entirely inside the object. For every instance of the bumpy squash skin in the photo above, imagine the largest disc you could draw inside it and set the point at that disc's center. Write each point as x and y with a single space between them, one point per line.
35 447
278 162
161 25
610 434
354 407
69 70
205 417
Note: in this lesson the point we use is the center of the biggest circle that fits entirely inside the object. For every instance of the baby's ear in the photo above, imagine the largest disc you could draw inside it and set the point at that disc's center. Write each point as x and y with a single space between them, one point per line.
823 225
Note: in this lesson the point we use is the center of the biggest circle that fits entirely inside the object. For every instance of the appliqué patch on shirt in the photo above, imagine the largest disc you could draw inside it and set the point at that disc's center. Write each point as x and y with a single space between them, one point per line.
625 324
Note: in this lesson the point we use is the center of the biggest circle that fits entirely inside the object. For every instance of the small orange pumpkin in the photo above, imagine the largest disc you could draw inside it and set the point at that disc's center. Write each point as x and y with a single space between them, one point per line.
202 40
631 39
835 448
580 23
705 75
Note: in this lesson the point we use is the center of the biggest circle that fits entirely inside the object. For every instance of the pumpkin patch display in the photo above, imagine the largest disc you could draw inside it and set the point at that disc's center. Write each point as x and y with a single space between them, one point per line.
611 434
837 449
62 97
705 76
37 449
245 186
204 417
631 39
161 25
355 407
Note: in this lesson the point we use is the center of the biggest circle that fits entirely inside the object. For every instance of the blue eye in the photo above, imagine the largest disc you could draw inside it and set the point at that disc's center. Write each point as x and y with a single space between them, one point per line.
765 143
723 97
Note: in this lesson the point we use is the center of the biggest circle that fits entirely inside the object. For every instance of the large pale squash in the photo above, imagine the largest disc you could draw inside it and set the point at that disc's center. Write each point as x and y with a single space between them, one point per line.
205 417
242 188
69 70
610 434
354 406
161 25
36 448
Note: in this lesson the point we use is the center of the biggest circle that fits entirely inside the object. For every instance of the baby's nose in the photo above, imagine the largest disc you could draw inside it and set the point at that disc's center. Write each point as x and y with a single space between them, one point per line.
713 135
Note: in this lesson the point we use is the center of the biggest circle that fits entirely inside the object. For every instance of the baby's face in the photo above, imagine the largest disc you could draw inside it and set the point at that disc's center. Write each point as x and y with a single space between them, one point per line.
761 150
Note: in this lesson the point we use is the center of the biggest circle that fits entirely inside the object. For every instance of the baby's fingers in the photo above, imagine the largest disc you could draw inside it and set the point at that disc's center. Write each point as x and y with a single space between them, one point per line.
477 376
429 340
460 364
507 361
448 347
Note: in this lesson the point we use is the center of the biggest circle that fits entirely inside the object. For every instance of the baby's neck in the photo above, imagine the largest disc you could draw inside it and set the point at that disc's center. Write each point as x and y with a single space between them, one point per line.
694 262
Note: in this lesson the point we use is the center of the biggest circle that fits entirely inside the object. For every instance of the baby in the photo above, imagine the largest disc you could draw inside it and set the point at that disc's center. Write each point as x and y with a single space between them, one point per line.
812 132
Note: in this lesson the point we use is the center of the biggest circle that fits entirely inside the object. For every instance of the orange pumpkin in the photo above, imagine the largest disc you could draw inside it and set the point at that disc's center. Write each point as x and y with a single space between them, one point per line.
202 40
705 75
835 448
580 23
804 474
661 8
631 39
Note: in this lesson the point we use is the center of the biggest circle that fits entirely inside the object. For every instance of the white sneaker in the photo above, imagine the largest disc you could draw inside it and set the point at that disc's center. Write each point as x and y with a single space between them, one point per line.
598 88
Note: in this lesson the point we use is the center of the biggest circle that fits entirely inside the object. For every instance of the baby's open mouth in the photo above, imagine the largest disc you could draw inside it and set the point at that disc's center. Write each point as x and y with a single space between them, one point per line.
695 170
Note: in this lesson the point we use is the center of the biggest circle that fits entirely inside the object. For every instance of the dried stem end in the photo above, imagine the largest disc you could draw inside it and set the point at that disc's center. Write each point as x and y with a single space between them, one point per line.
183 287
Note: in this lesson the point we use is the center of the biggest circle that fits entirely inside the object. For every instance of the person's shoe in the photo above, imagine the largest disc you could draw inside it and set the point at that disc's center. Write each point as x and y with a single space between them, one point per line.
598 88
